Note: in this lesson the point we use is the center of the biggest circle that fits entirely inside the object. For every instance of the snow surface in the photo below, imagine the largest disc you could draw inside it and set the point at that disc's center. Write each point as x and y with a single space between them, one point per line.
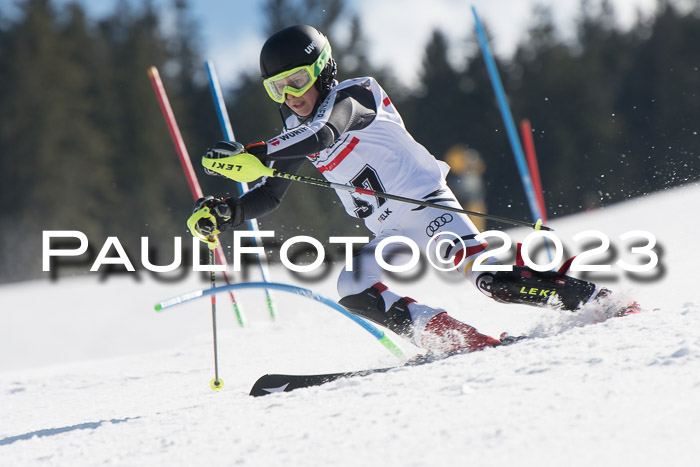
91 375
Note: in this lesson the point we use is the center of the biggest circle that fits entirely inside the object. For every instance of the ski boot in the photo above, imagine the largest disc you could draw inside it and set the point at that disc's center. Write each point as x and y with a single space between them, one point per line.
539 288
430 328
553 289
444 334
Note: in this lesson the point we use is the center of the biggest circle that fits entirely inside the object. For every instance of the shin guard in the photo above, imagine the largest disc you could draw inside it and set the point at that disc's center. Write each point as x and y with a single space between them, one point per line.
370 305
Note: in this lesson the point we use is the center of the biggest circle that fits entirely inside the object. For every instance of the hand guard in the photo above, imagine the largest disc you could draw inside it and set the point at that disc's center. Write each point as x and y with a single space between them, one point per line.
224 149
221 150
211 216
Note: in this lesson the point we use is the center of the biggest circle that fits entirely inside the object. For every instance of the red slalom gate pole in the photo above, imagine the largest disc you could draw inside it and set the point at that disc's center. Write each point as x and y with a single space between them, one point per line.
188 169
531 157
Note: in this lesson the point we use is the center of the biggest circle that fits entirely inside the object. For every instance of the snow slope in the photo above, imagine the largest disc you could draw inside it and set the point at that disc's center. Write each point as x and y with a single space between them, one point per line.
91 375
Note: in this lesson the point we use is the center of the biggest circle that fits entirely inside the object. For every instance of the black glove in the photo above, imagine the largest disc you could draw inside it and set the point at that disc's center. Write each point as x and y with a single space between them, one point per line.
258 149
223 213
223 149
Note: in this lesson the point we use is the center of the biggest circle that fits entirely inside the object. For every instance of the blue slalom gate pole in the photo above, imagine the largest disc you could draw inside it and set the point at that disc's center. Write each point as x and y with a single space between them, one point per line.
242 187
507 116
507 119
380 335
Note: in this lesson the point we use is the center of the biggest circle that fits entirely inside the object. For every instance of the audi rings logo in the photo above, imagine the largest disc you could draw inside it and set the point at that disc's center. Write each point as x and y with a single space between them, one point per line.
438 222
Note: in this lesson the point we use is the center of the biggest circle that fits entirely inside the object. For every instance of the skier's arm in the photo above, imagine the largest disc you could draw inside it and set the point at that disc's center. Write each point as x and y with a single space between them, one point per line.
232 212
352 109
267 195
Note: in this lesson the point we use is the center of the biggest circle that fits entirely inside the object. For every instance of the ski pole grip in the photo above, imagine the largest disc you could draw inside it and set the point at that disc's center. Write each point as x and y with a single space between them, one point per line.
242 167
539 226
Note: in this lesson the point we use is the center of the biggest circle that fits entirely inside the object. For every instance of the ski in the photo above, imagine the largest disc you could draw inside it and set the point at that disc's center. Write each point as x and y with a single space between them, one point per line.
271 383
268 384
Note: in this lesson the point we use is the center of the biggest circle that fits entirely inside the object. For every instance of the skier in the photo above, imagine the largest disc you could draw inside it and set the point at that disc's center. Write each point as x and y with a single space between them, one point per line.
352 133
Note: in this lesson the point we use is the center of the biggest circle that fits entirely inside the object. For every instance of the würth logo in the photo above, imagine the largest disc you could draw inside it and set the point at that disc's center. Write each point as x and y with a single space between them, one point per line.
290 134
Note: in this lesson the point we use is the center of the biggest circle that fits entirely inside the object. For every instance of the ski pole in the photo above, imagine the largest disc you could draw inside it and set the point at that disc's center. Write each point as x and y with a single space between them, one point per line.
216 384
246 168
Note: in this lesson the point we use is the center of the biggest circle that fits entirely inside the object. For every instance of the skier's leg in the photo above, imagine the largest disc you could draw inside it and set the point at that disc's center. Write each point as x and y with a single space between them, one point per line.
427 327
522 285
364 294
451 236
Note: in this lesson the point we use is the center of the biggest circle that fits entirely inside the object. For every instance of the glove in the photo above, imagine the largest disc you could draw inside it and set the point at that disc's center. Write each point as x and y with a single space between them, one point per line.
258 149
211 216
226 149
221 150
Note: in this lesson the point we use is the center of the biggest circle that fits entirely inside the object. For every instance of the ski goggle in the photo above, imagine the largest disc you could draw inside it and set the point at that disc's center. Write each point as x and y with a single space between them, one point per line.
297 80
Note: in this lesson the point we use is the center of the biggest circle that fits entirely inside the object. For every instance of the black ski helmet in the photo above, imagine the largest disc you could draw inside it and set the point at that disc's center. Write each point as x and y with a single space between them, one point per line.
293 47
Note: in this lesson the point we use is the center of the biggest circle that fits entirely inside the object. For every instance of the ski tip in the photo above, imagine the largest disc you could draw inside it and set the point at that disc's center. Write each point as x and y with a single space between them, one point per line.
158 307
268 384
271 383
